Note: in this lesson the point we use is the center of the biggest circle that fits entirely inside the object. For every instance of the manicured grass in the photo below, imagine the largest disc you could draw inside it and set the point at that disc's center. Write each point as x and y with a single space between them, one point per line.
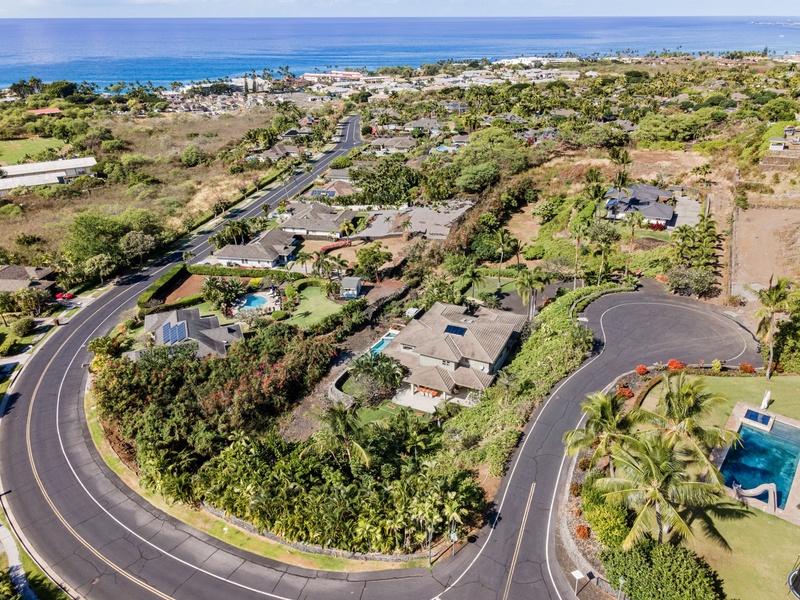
207 311
352 387
764 549
490 285
386 410
223 530
314 306
785 395
13 151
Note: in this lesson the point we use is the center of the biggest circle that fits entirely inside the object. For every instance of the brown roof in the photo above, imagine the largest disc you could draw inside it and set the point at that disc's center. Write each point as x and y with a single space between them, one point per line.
17 277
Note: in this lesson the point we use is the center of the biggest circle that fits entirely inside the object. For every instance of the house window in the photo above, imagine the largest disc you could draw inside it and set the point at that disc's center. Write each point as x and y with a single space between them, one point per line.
446 363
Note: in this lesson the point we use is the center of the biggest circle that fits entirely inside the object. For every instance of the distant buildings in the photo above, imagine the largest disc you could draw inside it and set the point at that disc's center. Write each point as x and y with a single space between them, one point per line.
316 220
44 173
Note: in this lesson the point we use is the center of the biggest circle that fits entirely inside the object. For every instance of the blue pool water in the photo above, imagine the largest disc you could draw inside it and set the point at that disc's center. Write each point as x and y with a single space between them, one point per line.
764 458
756 416
382 343
254 302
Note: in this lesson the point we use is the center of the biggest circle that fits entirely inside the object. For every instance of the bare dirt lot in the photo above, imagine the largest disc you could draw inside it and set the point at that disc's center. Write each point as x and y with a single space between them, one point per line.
393 244
767 243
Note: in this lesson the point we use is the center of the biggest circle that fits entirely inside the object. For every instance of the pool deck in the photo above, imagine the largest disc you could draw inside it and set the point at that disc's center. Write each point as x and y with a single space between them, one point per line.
792 511
272 302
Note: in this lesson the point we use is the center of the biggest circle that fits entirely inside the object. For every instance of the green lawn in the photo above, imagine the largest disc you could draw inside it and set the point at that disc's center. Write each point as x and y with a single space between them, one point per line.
313 307
764 547
490 285
385 410
785 395
207 311
12 151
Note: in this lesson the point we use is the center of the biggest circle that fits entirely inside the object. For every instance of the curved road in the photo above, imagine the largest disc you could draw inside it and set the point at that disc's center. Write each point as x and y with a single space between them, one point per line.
101 540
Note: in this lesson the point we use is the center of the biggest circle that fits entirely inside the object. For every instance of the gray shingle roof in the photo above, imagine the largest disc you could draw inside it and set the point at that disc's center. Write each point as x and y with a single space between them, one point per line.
271 245
211 338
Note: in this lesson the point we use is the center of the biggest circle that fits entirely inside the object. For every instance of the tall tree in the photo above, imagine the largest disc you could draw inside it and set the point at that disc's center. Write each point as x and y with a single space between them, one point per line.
633 220
774 300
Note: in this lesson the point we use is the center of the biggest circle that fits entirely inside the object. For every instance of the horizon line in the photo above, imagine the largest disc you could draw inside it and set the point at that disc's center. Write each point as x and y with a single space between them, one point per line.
126 18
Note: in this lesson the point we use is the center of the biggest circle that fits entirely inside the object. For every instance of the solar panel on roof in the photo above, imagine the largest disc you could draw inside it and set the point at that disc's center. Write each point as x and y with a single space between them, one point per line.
180 332
165 333
172 335
455 330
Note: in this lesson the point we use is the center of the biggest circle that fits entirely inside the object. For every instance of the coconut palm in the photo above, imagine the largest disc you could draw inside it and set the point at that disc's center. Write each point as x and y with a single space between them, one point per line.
470 278
603 235
682 409
634 220
596 194
347 228
621 181
304 258
530 282
607 422
503 240
653 479
774 300
579 232
340 433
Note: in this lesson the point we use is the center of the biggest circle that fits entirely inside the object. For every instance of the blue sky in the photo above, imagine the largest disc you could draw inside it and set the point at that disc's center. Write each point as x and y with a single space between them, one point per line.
387 8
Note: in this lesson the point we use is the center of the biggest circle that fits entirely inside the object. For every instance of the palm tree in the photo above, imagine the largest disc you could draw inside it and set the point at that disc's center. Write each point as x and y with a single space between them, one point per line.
530 282
579 231
348 229
683 407
602 235
621 181
508 381
339 263
634 219
187 256
606 423
518 248
341 432
453 511
596 194
470 278
774 300
620 157
653 479
304 258
503 239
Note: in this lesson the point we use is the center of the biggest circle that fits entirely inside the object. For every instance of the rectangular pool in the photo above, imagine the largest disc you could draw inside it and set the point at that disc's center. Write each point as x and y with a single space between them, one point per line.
754 415
378 347
764 458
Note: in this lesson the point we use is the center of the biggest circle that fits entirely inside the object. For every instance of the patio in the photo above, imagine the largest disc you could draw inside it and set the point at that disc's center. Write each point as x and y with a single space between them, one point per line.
422 399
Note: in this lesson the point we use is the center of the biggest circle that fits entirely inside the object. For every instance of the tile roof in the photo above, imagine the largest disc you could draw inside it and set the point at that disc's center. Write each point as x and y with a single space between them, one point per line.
271 245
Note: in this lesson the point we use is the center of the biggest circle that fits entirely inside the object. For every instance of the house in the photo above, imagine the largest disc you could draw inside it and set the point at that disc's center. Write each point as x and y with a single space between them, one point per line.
44 111
777 144
425 124
351 287
307 121
44 173
460 140
451 348
280 151
646 199
271 249
333 189
14 278
338 175
507 117
393 145
456 107
184 326
316 220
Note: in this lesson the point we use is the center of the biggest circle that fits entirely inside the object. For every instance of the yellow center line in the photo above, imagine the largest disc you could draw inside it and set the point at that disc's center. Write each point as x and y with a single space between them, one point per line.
519 542
35 471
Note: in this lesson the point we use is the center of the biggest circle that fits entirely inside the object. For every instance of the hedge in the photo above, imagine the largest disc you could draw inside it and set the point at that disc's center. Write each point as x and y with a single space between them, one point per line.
186 302
274 274
302 284
158 284
662 572
6 346
278 315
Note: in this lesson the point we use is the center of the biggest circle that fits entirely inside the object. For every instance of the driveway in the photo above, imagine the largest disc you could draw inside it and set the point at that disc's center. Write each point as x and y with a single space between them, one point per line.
687 211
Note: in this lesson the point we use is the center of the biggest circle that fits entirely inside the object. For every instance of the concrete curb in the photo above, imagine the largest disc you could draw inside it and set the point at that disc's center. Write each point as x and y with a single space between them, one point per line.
15 569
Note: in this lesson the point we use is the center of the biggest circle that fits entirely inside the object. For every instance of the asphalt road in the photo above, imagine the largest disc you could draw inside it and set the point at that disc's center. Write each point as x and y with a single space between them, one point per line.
101 540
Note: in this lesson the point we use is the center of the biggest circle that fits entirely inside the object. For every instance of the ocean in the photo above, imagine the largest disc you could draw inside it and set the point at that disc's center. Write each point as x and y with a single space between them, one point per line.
161 51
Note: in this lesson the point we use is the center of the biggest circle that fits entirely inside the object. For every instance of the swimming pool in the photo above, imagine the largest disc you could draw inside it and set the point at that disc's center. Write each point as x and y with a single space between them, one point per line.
382 343
764 458
253 302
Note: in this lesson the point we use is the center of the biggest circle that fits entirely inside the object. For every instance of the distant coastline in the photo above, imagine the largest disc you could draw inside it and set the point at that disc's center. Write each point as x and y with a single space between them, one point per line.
162 51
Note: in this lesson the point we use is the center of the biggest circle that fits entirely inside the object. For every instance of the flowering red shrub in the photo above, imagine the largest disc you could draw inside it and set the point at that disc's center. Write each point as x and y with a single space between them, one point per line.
582 531
641 370
657 226
340 244
747 368
675 365
624 393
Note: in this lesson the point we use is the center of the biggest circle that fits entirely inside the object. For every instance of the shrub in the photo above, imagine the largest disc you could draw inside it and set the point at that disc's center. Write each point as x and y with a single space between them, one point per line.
254 284
279 315
22 327
582 531
291 292
333 246
716 366
747 368
575 489
662 572
624 392
7 345
275 275
584 463
675 365
498 450
642 370
656 227
609 522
